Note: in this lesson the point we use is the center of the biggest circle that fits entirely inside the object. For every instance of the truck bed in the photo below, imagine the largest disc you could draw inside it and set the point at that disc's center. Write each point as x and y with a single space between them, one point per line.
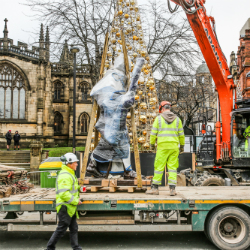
187 197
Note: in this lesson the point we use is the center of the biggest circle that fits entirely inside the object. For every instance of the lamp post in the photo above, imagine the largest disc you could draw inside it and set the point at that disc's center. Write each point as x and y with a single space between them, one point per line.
74 50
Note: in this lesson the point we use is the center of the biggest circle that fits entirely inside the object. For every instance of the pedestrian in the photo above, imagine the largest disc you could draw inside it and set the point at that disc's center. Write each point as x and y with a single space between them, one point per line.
168 131
67 199
8 138
16 138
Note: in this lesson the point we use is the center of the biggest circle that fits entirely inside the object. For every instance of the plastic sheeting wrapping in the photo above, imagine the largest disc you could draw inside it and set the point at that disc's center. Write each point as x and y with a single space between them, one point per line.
115 101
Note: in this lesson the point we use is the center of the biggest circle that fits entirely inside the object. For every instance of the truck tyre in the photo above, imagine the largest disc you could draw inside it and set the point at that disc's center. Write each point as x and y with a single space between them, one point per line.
210 180
229 228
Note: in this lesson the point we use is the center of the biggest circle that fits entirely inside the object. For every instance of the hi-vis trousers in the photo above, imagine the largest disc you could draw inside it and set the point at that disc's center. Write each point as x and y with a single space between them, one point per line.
170 158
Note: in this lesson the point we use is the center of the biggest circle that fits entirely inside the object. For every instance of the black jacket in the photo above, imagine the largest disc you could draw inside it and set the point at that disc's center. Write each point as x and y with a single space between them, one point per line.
8 136
16 137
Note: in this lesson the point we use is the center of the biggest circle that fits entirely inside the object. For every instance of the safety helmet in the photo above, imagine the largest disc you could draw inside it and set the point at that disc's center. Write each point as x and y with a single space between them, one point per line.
69 158
164 103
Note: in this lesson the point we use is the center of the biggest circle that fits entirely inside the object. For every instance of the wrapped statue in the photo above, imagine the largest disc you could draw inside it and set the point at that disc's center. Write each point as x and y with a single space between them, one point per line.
115 99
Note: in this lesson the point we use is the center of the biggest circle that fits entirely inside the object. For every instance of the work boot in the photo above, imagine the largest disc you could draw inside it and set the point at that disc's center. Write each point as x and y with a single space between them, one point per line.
154 190
172 191
92 169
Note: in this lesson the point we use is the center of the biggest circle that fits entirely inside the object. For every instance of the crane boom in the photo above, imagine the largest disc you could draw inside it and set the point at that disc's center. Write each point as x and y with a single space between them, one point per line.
203 27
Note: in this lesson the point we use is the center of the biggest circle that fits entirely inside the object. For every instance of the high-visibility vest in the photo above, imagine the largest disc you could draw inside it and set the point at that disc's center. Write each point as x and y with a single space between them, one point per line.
247 132
67 190
169 136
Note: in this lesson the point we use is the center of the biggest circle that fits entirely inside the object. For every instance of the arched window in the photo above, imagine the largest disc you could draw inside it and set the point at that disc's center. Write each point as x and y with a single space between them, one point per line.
58 90
84 89
58 122
12 93
84 123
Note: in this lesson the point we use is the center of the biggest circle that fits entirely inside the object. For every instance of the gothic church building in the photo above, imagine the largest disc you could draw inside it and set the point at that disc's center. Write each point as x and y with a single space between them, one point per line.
36 95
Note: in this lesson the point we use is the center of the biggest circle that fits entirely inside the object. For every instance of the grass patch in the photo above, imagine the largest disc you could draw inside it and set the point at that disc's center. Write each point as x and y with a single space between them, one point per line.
57 152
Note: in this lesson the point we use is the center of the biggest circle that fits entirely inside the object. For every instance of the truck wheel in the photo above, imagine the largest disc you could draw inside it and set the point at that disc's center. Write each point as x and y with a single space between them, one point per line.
229 228
210 180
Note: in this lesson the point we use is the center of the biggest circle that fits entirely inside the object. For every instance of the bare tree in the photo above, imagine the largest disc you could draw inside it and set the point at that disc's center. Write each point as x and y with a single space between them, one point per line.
171 43
191 101
172 47
84 23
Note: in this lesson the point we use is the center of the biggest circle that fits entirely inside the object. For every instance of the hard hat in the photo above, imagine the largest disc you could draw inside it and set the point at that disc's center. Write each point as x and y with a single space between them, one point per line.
163 103
9 130
69 158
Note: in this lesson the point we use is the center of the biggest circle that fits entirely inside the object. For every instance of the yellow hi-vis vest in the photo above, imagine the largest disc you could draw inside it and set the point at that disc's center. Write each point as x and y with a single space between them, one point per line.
169 136
67 190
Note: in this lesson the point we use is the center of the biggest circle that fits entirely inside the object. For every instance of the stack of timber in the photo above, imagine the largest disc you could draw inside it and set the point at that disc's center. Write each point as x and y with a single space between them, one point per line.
13 180
113 185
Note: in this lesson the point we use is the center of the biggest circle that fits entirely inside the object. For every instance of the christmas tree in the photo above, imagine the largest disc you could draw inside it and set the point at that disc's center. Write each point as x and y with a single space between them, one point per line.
127 20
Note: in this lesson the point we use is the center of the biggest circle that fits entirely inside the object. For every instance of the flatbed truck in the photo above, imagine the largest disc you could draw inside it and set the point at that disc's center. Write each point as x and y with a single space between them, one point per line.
221 212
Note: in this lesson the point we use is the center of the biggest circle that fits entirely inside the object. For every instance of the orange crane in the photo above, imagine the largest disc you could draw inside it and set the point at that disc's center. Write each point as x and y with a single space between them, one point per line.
203 27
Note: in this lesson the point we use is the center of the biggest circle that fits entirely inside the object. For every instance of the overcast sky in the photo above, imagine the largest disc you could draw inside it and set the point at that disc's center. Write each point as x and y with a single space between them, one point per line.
230 16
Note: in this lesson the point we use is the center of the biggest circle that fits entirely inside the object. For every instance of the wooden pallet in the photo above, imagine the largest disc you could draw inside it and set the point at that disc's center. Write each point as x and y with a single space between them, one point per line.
113 185
95 189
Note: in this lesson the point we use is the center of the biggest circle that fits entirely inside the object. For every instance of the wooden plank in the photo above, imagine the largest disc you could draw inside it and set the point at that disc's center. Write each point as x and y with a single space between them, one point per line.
88 144
181 180
92 120
136 150
113 183
112 189
125 53
144 182
105 183
135 141
95 189
193 161
86 182
131 189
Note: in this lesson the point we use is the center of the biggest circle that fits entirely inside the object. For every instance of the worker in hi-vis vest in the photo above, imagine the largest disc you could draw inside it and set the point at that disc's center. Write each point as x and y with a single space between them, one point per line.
168 131
67 199
246 134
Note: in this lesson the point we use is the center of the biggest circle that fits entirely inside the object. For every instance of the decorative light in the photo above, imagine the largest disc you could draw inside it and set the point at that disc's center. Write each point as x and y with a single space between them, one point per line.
135 38
141 140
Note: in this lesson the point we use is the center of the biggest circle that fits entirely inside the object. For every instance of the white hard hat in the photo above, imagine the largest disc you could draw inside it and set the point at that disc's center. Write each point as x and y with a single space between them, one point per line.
69 158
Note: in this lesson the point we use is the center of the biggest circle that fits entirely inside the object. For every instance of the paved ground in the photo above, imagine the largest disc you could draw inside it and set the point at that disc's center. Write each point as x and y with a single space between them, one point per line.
105 241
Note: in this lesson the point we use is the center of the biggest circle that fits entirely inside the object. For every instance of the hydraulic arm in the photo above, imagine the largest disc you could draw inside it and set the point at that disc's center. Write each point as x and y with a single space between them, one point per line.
203 27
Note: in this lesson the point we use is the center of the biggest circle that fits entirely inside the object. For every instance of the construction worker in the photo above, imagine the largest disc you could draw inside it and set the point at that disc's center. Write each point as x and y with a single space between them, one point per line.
168 131
67 199
246 135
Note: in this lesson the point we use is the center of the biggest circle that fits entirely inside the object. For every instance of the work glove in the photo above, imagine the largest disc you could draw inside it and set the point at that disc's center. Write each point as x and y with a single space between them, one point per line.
152 146
181 149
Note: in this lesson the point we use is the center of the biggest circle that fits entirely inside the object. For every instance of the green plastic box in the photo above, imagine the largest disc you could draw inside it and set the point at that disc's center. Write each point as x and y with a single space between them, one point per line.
48 174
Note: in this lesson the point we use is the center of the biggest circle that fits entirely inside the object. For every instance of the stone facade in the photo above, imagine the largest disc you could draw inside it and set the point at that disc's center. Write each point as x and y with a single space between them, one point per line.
36 95
243 61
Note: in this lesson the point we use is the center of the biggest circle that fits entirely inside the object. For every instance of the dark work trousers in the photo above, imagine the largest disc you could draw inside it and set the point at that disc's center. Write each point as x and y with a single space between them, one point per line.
65 222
